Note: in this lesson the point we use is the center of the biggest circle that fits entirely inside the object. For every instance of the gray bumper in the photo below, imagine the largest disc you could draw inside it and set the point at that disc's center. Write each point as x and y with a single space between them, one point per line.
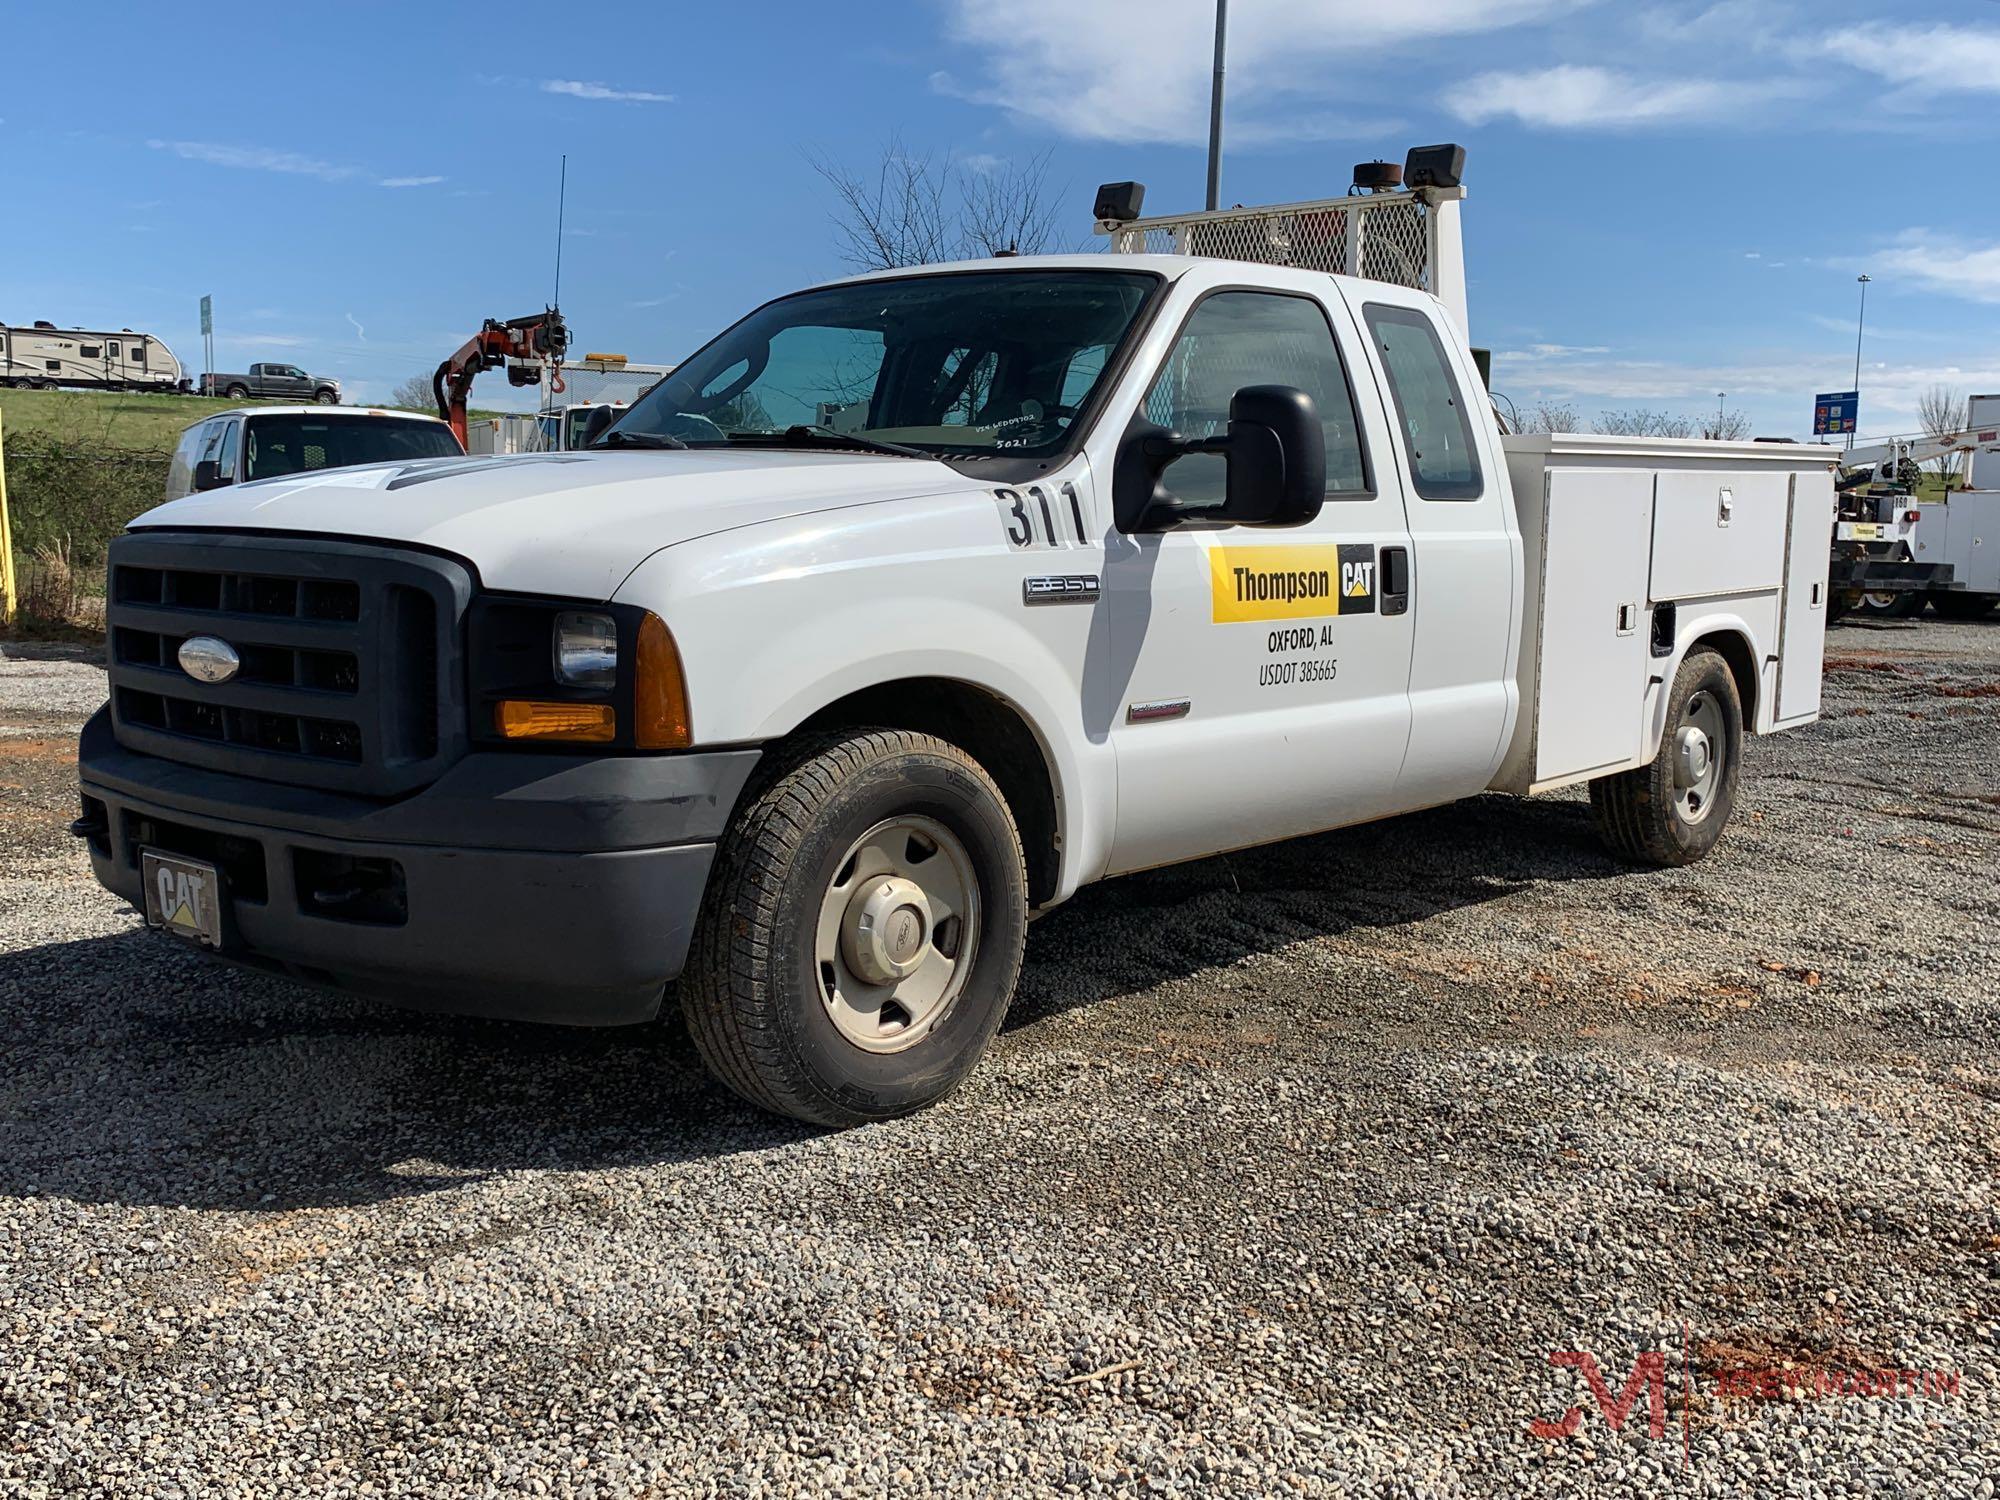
529 887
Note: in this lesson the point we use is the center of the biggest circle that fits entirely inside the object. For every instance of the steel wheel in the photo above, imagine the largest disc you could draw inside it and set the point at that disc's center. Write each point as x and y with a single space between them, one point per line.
1699 751
898 930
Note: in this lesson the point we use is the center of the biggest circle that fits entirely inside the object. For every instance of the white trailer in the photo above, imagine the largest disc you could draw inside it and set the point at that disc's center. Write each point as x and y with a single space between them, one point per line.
1121 560
42 356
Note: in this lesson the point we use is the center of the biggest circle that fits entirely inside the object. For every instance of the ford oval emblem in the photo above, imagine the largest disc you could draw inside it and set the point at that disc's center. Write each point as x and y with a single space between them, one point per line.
206 659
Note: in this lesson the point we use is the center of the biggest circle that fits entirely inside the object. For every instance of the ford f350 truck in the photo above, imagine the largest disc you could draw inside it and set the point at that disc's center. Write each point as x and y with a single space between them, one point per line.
903 609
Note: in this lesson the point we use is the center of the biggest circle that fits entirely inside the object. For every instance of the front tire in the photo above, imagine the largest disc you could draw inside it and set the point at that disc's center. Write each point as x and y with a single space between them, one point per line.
862 930
325 398
1671 811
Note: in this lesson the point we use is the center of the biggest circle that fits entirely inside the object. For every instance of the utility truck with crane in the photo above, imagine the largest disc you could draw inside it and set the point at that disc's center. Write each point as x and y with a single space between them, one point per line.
910 605
1894 554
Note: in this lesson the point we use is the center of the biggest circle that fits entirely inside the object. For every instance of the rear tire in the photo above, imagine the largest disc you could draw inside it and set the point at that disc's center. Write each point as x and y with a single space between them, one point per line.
1956 604
1894 606
237 393
1671 811
778 993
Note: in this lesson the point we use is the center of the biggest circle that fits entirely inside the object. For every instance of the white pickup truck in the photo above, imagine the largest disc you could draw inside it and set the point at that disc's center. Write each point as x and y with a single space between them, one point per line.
906 607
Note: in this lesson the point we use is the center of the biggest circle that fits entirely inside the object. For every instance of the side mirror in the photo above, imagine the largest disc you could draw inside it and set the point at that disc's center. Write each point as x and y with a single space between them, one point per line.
1277 457
1275 450
208 476
599 420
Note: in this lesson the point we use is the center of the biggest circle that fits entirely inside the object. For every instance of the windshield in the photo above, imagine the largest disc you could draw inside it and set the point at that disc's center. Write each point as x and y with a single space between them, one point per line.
291 444
984 363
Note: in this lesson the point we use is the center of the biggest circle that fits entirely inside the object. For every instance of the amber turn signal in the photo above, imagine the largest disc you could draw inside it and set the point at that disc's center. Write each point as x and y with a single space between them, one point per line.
659 690
530 719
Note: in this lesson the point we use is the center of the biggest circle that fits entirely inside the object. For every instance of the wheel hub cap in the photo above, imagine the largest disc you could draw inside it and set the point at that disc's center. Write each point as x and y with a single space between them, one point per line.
898 931
888 930
1694 756
1699 745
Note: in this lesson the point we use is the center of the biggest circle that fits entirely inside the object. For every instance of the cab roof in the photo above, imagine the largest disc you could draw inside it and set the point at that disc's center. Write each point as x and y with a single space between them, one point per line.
266 410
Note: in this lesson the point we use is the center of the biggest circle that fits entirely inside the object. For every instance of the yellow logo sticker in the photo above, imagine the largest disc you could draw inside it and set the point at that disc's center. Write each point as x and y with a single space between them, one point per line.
1290 583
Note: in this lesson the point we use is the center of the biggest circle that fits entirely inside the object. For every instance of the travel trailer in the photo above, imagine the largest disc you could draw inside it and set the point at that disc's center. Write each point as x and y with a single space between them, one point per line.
42 356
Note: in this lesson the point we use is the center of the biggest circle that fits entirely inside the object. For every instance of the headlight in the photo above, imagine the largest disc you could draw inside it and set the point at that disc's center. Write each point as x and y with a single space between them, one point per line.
585 649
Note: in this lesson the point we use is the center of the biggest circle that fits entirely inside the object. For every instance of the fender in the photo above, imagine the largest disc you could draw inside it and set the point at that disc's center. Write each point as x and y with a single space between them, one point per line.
1702 620
776 622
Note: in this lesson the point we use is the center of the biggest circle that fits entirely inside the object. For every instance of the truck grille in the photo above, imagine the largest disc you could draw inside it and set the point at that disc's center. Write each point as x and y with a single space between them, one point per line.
348 658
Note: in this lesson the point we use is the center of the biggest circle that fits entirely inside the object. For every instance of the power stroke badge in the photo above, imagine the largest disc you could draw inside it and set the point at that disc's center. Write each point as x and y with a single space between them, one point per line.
1291 583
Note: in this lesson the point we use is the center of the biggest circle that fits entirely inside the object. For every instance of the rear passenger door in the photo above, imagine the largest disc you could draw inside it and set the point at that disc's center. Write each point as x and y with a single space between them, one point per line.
1465 546
1268 690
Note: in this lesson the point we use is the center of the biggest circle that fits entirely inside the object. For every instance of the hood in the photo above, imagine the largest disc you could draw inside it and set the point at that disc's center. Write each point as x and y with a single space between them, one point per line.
572 524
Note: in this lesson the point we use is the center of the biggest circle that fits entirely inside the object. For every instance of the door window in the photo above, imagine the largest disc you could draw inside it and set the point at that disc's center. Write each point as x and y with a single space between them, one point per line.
226 463
1234 339
1429 404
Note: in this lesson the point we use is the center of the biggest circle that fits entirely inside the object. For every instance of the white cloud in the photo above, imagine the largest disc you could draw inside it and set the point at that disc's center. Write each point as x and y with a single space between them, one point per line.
270 159
257 159
359 332
577 90
1942 263
1962 59
1134 71
1569 97
1776 387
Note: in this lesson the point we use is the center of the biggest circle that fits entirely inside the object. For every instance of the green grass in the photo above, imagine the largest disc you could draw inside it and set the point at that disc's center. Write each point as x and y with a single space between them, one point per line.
130 422
115 419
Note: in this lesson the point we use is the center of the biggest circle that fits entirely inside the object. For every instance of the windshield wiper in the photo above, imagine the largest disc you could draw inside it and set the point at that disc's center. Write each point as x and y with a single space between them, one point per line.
616 439
799 434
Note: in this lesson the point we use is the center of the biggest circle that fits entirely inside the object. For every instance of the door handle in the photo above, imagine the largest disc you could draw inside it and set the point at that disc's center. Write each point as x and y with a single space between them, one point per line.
1395 580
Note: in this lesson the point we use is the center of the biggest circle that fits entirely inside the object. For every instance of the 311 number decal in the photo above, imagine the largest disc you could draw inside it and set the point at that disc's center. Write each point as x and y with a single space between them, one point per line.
1034 518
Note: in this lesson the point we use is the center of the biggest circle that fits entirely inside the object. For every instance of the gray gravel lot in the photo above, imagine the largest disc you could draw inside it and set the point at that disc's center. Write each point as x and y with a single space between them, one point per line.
1288 1175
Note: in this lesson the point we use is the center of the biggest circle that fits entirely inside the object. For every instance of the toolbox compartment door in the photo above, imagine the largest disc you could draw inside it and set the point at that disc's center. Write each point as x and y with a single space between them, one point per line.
1802 633
1596 540
1719 531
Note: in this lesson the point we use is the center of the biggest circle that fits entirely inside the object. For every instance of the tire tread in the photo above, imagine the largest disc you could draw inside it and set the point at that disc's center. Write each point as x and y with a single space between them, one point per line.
725 995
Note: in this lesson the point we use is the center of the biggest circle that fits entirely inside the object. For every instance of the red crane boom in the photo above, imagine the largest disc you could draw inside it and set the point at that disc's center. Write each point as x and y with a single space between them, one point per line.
539 339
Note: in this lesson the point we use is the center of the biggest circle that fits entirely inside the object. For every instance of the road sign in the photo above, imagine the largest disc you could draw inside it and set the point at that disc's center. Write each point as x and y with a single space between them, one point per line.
1835 411
207 317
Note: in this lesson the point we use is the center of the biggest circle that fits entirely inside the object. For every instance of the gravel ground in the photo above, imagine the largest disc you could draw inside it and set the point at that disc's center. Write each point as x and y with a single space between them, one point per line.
1289 1174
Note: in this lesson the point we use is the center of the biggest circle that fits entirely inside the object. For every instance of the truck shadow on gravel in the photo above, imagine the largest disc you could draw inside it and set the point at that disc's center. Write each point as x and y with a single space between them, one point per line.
134 1071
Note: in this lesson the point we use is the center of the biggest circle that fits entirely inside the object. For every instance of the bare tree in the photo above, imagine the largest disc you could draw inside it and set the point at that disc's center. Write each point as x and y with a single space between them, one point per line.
1727 426
1008 207
1547 416
1640 421
1942 413
414 394
917 209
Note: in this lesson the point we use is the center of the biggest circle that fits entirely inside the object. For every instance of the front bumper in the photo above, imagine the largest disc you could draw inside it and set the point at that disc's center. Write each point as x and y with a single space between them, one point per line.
528 887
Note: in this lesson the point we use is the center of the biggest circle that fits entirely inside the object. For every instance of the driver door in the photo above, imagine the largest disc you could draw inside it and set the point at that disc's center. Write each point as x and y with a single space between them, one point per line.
1268 688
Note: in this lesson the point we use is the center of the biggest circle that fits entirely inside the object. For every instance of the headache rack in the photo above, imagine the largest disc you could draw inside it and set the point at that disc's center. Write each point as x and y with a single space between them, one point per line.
1406 236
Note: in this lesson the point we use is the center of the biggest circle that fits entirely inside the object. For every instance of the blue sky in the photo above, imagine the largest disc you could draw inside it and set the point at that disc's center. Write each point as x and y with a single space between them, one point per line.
1666 200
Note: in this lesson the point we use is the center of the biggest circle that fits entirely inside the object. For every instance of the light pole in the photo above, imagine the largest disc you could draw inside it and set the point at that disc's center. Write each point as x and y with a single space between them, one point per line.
1720 397
1215 108
1860 322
